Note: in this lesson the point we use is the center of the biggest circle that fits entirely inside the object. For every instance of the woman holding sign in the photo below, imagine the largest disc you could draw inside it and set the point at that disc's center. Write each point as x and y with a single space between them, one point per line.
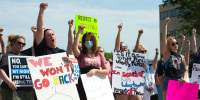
174 63
89 58
7 87
120 46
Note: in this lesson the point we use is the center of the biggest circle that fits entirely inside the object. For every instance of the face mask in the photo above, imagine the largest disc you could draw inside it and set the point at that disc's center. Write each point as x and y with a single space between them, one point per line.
88 44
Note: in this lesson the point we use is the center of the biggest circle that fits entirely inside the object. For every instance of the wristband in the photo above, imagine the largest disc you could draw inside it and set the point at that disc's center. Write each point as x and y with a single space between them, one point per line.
157 53
1 34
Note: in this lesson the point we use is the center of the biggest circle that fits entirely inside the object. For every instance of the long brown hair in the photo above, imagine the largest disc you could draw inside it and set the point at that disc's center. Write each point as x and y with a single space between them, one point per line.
93 39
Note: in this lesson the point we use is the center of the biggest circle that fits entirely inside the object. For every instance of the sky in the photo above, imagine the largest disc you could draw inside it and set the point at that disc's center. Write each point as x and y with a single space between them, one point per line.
17 17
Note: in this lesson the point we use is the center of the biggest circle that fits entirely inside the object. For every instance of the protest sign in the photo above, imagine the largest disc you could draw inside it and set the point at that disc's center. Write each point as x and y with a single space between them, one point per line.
187 91
76 72
195 73
52 77
127 74
91 25
19 72
97 87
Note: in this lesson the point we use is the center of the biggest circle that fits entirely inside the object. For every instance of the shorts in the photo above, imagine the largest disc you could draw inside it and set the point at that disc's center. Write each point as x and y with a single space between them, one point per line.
166 81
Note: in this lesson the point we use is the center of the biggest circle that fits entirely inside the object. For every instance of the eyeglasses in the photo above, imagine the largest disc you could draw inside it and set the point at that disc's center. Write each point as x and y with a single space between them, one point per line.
21 43
175 43
124 47
143 51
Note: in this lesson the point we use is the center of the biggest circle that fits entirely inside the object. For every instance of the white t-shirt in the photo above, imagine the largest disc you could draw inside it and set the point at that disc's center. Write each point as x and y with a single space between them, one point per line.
147 94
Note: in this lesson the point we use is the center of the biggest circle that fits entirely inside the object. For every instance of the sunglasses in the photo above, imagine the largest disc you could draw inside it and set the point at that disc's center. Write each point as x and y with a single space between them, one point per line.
143 51
21 43
124 47
175 43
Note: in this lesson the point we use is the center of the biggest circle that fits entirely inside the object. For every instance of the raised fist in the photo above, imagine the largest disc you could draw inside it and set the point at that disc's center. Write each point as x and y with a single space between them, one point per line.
140 31
188 42
183 37
1 30
81 28
120 26
71 22
157 50
167 20
43 5
34 29
194 31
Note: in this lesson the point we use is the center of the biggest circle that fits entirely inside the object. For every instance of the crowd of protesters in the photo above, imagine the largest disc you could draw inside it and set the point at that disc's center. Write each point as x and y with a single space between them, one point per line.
91 60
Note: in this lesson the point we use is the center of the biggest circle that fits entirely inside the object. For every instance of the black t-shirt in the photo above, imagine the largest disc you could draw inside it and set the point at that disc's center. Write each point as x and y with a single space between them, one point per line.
43 49
27 52
4 65
174 67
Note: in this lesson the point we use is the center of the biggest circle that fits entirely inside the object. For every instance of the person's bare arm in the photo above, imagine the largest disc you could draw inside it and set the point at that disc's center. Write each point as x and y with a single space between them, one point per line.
155 60
138 40
40 23
118 38
164 49
3 46
70 37
76 41
181 45
187 54
194 40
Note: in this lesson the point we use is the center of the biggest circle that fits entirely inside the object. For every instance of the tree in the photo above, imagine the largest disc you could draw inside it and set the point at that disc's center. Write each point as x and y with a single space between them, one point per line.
189 12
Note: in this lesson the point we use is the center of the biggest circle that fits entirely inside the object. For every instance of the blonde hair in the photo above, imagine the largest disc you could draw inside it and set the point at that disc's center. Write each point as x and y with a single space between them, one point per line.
169 39
142 47
13 38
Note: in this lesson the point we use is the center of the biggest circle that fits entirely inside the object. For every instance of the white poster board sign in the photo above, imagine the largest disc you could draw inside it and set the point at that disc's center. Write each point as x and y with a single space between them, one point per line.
97 87
52 77
19 72
127 74
195 74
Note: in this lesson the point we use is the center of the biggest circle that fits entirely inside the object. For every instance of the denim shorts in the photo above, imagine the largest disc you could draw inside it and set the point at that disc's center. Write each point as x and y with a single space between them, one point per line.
165 82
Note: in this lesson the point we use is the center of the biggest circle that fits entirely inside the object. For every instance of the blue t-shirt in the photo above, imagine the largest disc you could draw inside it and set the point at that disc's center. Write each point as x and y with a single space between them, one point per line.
196 58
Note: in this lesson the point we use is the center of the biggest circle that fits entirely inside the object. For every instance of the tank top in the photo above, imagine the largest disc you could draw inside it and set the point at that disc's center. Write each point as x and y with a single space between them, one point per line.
174 66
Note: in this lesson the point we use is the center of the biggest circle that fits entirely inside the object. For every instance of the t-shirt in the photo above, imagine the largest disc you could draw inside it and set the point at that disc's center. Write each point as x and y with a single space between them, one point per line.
174 66
43 49
97 61
4 65
27 52
196 58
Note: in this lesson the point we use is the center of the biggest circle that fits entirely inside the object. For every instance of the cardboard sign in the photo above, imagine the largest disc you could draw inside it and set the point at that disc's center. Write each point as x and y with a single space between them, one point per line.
97 87
127 74
187 91
19 71
52 77
91 25
195 74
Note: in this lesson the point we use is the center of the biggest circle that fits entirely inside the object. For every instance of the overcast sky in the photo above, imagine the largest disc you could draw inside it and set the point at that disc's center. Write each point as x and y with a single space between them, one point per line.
17 17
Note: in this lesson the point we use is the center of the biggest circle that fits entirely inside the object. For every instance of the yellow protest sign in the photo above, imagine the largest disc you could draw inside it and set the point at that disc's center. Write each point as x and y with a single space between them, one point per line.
91 25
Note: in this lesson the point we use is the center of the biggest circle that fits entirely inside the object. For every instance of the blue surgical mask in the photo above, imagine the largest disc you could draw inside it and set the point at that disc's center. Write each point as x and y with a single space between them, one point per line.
88 44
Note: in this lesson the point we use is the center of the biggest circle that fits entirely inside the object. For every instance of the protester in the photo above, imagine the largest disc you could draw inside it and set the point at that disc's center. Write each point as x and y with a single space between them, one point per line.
45 40
7 87
174 63
101 50
196 54
149 87
122 47
89 58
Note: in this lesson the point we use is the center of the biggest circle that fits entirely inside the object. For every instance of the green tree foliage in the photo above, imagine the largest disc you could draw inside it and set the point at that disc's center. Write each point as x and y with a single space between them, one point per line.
108 55
189 12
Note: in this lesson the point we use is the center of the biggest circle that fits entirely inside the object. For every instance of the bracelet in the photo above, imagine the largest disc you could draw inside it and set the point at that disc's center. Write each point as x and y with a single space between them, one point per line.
1 34
157 53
